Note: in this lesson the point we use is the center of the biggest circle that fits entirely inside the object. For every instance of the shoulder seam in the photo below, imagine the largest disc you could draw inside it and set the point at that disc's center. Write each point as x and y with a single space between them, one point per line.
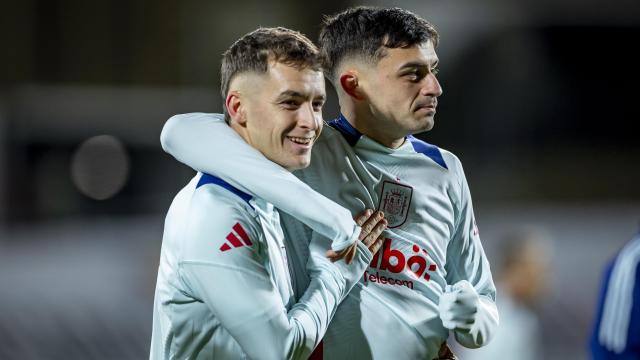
210 179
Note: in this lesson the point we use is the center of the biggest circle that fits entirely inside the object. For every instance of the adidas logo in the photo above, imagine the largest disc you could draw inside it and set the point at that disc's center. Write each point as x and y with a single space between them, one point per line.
232 238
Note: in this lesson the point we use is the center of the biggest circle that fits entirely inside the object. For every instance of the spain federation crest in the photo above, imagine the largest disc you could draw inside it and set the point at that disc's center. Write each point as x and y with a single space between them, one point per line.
394 202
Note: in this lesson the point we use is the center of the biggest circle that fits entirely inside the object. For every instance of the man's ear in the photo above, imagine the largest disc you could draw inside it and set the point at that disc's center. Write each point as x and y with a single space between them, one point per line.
349 83
234 107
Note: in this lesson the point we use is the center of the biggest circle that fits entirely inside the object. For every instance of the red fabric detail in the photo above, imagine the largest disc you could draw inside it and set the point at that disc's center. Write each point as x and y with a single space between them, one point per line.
233 239
243 234
317 352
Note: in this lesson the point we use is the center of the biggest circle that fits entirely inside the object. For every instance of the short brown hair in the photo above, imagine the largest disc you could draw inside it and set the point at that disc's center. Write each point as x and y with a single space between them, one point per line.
253 51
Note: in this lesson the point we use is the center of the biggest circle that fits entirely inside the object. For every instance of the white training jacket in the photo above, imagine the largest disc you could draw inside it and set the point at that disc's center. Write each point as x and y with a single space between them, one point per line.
432 238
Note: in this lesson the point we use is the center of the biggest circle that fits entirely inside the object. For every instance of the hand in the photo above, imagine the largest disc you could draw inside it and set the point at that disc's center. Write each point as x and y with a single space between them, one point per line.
373 224
458 306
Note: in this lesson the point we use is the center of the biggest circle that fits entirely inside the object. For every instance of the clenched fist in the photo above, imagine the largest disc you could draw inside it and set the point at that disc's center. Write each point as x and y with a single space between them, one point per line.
458 306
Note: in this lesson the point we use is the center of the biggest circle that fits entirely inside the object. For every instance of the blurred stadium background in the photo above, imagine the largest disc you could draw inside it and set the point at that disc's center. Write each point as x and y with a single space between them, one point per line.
540 103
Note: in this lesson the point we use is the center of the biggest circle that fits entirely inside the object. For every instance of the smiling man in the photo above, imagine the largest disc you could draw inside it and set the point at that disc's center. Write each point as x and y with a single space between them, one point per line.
288 117
224 290
432 275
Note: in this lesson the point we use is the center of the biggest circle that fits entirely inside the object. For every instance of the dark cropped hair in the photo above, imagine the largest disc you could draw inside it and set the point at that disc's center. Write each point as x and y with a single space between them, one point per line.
253 51
366 32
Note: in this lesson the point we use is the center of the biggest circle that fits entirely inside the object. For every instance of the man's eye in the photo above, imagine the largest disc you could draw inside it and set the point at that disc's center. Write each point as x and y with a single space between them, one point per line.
317 105
418 75
290 104
413 76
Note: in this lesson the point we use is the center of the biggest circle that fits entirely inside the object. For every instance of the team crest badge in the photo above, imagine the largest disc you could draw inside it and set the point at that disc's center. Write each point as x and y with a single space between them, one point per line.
394 202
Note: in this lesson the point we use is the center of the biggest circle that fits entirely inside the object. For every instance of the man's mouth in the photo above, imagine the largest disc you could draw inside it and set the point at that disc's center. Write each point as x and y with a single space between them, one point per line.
431 107
300 140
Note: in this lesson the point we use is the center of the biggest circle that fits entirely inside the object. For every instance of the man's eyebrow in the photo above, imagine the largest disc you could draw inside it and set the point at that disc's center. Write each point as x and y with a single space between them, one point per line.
290 93
295 94
418 64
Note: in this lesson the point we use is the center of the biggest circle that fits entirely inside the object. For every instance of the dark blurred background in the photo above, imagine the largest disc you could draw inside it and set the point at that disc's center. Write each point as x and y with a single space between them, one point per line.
540 103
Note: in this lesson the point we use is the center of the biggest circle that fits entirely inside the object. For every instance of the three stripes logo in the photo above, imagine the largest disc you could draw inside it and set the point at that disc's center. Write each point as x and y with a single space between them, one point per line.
233 240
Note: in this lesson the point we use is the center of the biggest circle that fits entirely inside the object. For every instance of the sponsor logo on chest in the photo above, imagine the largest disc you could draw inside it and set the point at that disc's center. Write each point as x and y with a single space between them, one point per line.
415 266
395 200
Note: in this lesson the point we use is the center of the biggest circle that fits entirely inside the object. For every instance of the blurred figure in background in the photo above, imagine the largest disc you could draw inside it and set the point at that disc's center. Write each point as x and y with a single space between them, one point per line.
522 283
616 334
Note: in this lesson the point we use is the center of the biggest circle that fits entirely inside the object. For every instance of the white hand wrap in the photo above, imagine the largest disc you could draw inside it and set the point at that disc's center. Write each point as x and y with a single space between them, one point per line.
458 306
473 318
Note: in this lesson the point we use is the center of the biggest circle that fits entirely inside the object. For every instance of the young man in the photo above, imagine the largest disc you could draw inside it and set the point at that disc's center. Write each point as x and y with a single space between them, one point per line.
224 289
432 275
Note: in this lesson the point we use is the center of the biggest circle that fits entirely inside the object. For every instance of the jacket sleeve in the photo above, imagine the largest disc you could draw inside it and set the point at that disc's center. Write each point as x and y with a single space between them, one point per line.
466 260
207 144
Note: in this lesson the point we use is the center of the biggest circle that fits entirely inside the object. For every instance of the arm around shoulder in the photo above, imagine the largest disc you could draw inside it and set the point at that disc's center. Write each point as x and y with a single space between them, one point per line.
207 144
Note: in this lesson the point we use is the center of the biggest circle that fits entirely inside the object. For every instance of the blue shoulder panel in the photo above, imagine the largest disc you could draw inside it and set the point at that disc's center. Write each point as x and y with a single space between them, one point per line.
210 179
632 347
429 150
351 134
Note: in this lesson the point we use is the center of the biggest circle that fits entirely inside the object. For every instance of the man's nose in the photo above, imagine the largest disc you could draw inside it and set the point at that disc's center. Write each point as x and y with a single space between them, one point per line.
308 118
431 86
